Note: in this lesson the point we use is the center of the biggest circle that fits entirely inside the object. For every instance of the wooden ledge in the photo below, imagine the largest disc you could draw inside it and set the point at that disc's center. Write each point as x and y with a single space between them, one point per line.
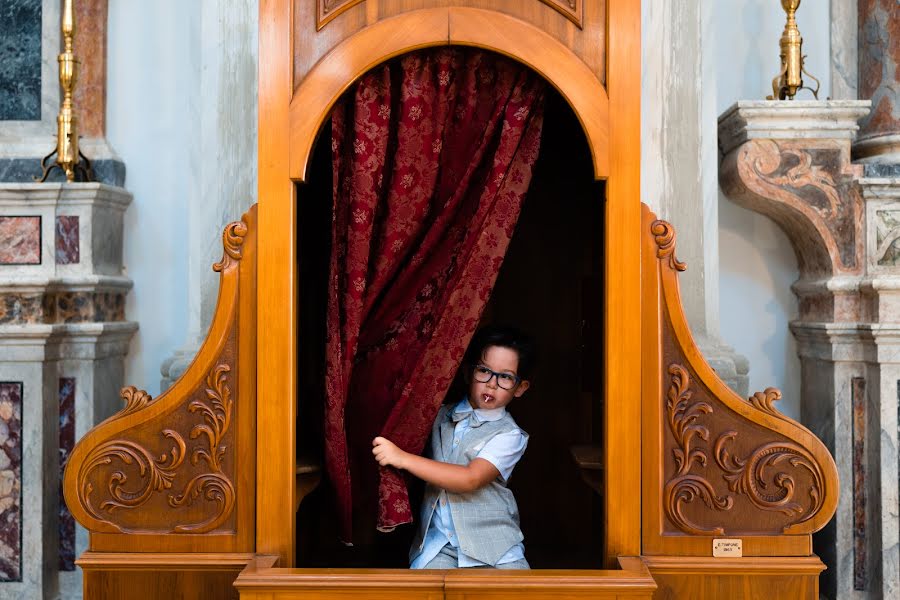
633 579
756 565
157 561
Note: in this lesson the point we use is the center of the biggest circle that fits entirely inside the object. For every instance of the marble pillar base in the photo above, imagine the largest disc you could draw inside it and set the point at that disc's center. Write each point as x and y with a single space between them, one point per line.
792 162
174 367
733 368
63 340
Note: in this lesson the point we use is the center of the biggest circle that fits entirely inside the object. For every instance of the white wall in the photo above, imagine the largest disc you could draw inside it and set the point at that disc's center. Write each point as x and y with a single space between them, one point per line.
151 124
154 62
757 263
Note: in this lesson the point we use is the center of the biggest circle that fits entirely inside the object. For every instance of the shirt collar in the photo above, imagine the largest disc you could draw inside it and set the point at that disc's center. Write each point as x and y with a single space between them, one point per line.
481 414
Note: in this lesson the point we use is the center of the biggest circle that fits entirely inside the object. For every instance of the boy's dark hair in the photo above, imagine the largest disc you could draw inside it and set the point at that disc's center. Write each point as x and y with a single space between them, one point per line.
505 337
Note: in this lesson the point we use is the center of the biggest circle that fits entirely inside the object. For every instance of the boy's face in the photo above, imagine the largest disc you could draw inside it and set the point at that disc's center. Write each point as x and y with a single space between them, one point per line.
490 393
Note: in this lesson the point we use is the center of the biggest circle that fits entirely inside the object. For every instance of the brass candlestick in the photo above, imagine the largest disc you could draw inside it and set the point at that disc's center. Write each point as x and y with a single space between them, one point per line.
68 157
790 81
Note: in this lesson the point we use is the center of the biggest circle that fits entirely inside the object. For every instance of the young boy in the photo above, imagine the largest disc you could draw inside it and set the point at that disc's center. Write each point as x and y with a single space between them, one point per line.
469 517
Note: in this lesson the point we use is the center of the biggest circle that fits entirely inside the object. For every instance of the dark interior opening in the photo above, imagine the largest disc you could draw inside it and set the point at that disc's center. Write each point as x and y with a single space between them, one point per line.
550 285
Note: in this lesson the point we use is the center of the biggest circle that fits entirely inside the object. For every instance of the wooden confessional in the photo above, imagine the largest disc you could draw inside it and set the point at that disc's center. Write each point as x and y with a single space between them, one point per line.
195 493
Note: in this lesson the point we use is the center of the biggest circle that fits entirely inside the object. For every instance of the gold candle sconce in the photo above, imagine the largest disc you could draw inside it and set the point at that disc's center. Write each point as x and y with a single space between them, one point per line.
68 157
790 80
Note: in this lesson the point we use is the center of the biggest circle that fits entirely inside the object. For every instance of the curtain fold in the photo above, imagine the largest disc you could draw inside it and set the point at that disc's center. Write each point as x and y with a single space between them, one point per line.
432 155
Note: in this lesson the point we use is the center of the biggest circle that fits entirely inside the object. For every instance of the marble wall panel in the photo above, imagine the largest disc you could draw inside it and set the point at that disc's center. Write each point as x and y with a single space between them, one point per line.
81 307
11 481
20 60
22 309
90 44
61 307
20 240
858 399
66 443
67 249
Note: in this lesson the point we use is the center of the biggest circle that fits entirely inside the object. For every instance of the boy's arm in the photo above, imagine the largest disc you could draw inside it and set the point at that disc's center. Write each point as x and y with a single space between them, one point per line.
457 479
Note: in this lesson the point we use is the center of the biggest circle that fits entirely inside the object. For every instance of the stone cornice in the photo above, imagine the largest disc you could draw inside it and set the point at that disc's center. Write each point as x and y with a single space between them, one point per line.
784 119
69 194
880 188
85 341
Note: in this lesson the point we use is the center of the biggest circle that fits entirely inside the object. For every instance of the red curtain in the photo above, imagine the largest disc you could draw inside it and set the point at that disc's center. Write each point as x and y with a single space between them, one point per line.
432 155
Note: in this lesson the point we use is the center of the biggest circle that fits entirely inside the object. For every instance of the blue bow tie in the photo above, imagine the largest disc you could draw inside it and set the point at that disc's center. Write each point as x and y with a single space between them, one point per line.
474 421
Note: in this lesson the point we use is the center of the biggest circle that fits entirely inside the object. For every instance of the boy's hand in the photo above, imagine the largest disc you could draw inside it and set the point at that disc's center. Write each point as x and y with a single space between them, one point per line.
387 453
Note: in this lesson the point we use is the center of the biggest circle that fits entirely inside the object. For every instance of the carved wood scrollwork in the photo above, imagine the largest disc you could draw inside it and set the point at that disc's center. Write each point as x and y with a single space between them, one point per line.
664 234
684 487
134 399
120 462
232 244
766 477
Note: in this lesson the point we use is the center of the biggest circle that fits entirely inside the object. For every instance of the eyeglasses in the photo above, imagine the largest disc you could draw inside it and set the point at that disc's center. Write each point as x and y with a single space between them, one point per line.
506 381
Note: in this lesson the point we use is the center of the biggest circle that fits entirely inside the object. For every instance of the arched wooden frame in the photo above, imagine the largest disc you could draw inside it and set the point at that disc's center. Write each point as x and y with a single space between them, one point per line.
283 157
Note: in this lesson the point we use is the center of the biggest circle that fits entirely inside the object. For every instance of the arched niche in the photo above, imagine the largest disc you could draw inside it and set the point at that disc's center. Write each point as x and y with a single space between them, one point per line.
614 148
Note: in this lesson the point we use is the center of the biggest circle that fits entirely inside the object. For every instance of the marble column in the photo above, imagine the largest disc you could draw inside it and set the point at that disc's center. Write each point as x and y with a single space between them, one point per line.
679 155
878 148
223 184
792 162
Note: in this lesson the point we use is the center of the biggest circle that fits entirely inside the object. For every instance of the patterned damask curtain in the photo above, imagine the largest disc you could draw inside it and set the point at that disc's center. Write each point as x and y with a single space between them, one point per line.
432 156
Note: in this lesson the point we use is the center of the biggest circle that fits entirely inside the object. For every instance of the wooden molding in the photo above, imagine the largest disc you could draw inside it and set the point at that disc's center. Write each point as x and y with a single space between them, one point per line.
148 561
573 10
758 565
326 10
314 98
633 579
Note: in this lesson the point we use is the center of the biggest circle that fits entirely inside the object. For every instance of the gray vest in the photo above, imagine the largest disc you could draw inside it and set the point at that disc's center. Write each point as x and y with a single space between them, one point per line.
486 520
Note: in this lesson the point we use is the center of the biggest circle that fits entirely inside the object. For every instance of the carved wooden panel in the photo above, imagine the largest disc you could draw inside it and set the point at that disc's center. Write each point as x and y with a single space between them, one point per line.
570 9
176 473
727 476
320 26
326 10
722 466
163 469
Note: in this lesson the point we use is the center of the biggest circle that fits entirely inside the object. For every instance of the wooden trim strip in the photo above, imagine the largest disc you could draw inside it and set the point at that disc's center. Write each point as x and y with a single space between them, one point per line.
760 565
186 561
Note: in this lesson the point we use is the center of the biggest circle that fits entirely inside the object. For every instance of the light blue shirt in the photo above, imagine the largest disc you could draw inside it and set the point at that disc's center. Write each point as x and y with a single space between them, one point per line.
503 451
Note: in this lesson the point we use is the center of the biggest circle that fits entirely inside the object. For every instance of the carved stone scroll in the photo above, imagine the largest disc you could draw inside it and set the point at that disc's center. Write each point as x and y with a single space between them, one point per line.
808 187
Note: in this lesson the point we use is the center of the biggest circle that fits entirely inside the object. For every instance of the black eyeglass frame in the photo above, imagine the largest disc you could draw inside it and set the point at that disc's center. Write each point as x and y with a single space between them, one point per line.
483 370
